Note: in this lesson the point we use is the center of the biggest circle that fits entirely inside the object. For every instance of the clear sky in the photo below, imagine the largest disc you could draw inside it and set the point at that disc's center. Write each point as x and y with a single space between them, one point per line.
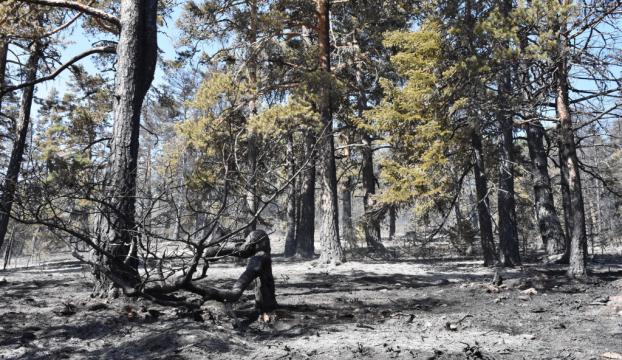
77 41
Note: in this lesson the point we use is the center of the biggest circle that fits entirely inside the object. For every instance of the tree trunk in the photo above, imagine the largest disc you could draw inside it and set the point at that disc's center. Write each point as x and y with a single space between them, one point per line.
257 249
392 219
8 251
483 204
305 232
372 218
252 196
136 61
329 229
290 236
4 50
371 224
346 212
565 191
509 254
546 214
570 168
23 123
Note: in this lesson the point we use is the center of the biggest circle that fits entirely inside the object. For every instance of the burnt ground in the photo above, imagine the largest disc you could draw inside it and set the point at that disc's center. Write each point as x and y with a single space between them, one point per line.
405 309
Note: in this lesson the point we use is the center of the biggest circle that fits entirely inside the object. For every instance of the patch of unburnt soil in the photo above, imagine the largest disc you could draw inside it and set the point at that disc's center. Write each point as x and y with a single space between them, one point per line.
404 309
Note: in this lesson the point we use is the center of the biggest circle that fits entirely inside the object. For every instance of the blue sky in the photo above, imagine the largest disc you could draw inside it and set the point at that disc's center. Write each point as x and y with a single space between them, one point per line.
77 41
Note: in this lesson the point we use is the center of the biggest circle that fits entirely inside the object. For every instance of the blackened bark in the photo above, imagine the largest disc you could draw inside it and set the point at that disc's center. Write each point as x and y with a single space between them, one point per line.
9 185
290 236
305 232
509 252
508 233
546 214
570 168
136 61
371 224
257 248
4 50
483 203
372 215
329 229
346 212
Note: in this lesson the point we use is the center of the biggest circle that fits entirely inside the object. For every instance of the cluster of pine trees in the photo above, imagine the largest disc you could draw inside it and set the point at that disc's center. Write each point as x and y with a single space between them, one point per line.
273 109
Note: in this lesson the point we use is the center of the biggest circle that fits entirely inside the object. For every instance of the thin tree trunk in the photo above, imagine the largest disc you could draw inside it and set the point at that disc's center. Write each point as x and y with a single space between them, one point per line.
372 218
509 254
305 232
4 50
33 244
392 219
329 229
565 191
570 167
9 249
9 186
483 203
136 61
346 212
347 186
290 236
546 214
252 196
508 234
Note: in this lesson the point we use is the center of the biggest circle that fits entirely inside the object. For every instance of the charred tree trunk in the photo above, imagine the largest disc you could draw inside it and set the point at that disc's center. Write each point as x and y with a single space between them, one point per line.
257 249
483 203
329 229
371 224
19 145
570 169
305 231
509 253
372 217
290 236
346 212
136 61
4 50
546 214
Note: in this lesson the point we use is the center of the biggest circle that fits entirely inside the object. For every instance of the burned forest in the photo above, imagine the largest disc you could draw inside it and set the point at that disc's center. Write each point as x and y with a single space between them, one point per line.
310 179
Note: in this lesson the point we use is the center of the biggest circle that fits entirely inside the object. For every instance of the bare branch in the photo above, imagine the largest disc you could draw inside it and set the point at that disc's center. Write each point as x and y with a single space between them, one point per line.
75 5
96 50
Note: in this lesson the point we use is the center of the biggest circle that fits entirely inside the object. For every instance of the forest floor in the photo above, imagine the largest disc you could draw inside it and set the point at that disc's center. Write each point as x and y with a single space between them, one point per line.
375 309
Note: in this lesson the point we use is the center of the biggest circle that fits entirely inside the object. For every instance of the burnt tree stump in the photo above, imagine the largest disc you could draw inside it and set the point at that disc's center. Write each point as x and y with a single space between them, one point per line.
256 248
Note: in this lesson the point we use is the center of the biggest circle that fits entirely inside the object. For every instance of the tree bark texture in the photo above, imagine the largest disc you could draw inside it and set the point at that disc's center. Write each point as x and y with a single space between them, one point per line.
546 214
9 186
305 231
483 203
509 253
346 212
4 50
257 249
570 168
371 221
290 235
329 228
136 61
